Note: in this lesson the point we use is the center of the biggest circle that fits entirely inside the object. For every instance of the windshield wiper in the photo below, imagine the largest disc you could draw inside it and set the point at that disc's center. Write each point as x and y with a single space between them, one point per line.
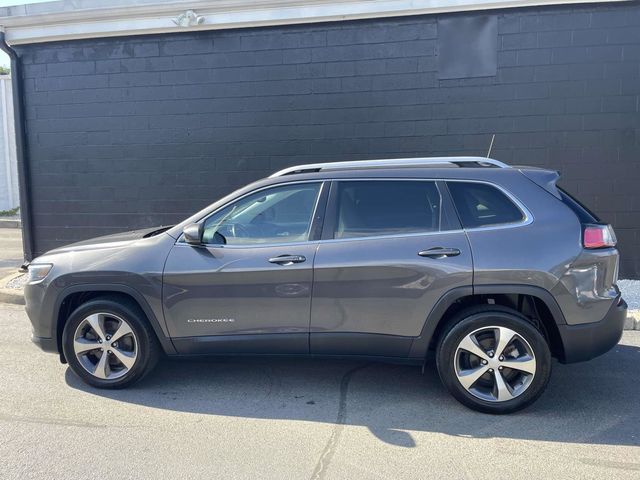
157 232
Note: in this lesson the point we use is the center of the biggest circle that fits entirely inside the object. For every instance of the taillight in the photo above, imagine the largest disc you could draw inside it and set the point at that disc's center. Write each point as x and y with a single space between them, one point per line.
598 236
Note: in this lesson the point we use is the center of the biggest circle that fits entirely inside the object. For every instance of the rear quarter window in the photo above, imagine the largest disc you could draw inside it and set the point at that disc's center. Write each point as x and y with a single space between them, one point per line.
483 205
583 213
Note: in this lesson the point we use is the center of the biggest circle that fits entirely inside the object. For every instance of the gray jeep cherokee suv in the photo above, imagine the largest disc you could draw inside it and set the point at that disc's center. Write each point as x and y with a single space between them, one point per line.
493 268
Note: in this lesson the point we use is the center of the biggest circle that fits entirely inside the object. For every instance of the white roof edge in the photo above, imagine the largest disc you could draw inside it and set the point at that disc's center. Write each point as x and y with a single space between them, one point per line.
77 19
389 162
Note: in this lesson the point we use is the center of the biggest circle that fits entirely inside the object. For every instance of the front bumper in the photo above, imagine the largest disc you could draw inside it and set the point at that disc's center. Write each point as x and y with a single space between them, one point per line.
49 345
40 305
586 341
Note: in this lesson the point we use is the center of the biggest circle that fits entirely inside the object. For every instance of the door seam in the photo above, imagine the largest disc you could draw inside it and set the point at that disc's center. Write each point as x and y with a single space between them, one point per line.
313 283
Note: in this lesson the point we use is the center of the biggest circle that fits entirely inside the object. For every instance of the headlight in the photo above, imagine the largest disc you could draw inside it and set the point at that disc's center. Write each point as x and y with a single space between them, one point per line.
37 272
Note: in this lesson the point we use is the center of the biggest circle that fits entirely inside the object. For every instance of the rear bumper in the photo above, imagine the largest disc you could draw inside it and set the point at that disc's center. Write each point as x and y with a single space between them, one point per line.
586 341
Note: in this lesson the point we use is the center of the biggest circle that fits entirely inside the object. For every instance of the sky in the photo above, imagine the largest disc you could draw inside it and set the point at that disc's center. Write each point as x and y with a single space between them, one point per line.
4 59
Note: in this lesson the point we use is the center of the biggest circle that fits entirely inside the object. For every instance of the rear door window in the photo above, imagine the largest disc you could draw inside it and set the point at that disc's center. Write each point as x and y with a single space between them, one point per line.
375 208
483 205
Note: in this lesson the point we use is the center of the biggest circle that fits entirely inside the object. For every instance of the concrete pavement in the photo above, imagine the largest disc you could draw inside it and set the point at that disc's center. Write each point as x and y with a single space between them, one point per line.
307 419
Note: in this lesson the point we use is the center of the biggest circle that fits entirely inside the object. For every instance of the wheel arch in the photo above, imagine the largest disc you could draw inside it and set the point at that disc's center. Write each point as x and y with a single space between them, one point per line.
74 296
536 303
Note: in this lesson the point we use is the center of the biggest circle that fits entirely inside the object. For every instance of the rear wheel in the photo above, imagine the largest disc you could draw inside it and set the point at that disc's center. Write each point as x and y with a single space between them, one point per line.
109 344
492 359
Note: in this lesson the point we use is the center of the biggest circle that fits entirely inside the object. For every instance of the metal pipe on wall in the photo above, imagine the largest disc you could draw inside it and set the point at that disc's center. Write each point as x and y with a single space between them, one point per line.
21 148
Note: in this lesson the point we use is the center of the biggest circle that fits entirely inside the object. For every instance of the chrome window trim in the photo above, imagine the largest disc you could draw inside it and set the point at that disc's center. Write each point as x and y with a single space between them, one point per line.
331 240
526 213
527 220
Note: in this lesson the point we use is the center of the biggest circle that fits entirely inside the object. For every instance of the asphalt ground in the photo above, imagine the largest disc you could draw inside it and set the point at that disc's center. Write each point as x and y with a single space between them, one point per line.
266 418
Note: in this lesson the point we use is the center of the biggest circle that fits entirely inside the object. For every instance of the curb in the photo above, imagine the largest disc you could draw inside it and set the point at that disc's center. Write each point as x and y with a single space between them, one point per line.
12 296
8 295
10 223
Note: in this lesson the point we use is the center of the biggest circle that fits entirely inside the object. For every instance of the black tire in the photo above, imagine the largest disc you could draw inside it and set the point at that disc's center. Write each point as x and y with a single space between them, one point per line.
473 319
148 348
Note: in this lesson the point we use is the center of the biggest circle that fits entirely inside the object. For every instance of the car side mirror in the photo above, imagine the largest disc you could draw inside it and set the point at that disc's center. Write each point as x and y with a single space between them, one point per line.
193 233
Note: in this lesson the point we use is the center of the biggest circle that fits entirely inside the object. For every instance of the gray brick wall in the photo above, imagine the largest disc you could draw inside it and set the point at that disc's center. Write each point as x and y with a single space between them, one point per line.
133 132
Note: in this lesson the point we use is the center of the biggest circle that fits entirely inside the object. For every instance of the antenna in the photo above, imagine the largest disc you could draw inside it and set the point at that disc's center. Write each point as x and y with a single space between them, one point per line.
491 145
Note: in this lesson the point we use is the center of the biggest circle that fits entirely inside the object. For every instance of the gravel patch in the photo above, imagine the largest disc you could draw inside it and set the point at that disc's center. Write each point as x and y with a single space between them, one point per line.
17 283
630 292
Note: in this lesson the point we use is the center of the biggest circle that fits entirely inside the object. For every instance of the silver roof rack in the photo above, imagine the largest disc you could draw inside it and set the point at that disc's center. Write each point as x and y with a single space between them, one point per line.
443 162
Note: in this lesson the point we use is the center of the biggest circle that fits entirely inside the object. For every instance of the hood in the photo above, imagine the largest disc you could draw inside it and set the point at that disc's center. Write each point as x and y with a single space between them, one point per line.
116 240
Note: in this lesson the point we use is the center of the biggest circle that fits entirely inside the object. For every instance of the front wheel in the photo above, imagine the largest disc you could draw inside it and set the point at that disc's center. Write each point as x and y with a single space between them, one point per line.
493 360
109 344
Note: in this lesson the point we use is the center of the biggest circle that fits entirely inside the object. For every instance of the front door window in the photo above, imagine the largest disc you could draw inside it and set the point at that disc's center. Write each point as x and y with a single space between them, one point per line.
275 215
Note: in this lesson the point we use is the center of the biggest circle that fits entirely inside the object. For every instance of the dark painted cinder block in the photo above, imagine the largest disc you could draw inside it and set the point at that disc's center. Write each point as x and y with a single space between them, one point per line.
130 132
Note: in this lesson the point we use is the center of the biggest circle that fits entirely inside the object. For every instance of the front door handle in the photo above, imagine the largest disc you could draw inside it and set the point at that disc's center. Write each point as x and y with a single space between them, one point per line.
288 259
439 252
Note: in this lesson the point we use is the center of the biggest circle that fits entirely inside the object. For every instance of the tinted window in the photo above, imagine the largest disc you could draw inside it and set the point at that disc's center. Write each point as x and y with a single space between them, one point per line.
274 215
583 213
371 208
480 205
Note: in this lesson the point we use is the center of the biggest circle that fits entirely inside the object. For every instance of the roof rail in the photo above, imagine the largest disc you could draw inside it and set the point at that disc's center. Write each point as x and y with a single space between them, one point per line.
394 162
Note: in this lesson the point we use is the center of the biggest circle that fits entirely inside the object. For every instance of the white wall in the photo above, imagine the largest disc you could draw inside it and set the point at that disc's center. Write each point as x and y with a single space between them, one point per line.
74 19
8 169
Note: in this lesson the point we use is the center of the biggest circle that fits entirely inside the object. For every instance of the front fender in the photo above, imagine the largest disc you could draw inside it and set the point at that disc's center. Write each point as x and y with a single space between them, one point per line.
156 319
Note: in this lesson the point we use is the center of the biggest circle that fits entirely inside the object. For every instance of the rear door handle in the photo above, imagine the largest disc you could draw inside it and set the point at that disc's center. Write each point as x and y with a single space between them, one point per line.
439 252
288 259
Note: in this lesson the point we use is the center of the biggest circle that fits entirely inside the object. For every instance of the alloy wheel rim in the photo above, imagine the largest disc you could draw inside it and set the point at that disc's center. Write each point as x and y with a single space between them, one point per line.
495 364
105 345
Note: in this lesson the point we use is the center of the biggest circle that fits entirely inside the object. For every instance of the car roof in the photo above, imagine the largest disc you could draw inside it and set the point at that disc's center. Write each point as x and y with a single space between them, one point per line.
451 168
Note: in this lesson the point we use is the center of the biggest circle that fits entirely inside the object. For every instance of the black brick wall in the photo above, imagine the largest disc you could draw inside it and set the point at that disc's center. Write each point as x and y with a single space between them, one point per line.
134 132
